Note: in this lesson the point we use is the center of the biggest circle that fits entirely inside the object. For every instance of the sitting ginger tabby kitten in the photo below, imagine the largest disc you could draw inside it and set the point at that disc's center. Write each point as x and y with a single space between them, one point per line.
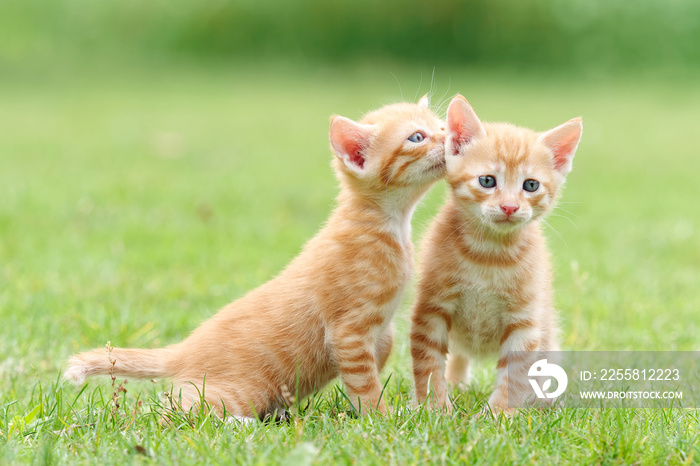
486 282
329 312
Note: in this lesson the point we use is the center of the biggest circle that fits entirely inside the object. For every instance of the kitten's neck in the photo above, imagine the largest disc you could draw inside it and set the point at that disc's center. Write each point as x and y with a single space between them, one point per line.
391 212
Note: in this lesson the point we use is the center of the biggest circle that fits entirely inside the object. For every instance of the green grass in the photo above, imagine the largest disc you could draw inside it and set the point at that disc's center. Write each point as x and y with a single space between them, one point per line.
134 205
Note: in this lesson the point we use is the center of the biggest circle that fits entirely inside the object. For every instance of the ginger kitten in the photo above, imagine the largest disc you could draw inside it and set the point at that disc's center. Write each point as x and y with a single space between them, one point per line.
486 282
329 312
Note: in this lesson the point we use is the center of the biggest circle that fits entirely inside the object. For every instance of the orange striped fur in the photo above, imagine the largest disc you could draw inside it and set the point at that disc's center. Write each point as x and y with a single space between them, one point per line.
329 312
486 282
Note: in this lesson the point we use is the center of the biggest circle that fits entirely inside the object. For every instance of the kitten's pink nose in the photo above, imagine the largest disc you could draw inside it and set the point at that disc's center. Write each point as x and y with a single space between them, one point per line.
510 209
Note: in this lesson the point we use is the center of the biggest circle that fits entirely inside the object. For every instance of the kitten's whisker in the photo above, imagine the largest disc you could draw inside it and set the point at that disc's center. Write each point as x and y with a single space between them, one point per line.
444 100
567 218
555 231
447 237
420 84
461 227
441 107
399 84
567 211
463 230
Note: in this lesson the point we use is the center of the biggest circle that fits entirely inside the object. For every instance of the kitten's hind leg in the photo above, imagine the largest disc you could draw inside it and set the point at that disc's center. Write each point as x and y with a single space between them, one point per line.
384 345
214 399
457 371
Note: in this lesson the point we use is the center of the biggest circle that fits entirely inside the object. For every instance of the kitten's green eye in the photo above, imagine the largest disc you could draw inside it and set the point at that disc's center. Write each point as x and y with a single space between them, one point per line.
487 181
531 185
416 137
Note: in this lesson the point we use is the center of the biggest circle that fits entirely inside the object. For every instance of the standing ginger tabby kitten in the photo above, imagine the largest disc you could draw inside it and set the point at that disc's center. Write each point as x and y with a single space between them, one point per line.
486 283
329 312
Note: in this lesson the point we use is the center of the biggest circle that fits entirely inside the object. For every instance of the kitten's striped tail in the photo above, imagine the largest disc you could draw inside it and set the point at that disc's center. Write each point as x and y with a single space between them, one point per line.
122 362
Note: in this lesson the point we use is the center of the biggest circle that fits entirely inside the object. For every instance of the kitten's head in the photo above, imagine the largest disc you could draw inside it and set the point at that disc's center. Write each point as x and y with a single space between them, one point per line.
505 176
399 146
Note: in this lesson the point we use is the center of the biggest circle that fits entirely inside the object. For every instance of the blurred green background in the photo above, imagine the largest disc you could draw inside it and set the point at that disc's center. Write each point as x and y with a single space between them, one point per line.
571 34
159 159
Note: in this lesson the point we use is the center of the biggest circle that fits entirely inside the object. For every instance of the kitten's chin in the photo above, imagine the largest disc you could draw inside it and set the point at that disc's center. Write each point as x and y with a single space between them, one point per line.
434 172
505 226
438 170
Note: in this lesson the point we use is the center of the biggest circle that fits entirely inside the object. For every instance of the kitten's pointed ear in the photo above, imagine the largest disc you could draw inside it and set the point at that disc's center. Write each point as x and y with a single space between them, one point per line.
424 101
350 141
463 125
563 141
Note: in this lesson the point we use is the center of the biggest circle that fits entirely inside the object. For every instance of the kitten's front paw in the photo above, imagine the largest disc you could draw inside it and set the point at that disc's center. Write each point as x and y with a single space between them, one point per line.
436 404
445 405
371 406
498 405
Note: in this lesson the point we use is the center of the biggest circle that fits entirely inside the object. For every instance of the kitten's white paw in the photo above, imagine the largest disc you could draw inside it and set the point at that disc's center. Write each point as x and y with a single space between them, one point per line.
76 372
237 421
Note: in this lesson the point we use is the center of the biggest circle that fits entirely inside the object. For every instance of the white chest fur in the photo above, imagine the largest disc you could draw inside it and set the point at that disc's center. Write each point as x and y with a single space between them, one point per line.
480 313
478 322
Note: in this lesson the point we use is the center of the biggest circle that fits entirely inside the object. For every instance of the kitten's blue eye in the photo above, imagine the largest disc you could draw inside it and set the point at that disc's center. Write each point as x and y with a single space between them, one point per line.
531 185
487 181
416 137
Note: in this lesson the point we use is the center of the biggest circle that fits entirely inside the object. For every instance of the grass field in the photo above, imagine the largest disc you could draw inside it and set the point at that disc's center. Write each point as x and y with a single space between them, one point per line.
134 205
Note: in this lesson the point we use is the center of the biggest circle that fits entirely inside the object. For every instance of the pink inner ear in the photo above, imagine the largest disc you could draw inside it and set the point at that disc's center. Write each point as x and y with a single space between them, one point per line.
354 151
351 143
463 123
455 124
563 149
458 142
